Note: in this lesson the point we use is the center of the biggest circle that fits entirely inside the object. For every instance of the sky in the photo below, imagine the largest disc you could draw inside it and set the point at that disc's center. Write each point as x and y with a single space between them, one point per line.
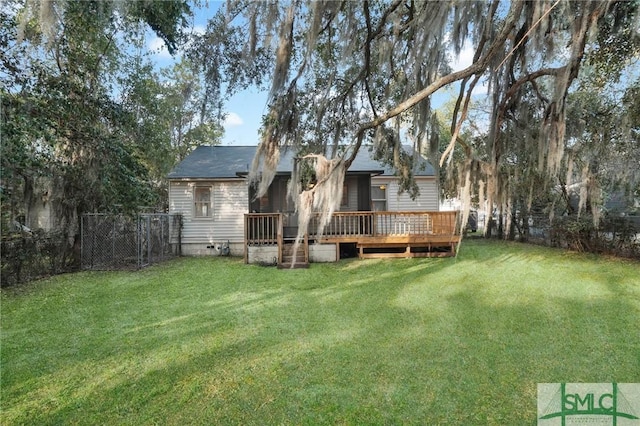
245 109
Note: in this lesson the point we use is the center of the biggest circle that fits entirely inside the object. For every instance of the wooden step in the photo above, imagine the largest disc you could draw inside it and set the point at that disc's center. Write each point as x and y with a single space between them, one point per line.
288 256
297 265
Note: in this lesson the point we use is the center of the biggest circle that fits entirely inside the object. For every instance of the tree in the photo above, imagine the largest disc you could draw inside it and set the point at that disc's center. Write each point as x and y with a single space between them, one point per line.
195 118
169 117
350 74
68 138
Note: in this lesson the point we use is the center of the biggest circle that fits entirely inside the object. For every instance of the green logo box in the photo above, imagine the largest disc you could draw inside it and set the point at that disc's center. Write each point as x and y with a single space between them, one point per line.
561 404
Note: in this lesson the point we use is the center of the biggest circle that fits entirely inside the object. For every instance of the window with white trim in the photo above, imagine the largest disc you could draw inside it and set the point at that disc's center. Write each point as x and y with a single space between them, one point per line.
379 198
202 197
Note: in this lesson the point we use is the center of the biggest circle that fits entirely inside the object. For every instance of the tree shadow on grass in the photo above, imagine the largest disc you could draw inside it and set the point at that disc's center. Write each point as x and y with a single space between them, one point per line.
479 362
235 323
366 343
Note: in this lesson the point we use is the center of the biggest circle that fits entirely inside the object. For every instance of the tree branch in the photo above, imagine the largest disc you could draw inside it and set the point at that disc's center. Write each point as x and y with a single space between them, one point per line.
479 66
463 116
367 57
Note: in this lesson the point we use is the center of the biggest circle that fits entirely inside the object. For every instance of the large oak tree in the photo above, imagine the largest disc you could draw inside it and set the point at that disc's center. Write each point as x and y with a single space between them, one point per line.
347 76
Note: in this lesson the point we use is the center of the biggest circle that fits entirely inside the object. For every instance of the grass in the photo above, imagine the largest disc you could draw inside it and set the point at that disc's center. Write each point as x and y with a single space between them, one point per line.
404 341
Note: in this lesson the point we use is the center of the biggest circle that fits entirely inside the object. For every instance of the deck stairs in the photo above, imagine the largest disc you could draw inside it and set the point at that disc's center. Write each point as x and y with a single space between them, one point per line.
287 255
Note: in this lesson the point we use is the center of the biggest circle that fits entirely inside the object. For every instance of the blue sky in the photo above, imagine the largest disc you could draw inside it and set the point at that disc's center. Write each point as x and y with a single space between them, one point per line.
245 109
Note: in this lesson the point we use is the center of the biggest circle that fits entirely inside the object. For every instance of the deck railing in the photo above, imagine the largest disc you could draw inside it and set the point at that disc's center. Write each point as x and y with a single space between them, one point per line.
387 223
344 224
267 228
262 228
415 223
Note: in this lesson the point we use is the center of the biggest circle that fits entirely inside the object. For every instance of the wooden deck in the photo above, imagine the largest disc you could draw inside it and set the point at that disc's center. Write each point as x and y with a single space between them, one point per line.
374 234
393 234
401 245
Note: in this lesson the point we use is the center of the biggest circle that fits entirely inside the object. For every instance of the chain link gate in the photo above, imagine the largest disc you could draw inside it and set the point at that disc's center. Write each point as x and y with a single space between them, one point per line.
121 242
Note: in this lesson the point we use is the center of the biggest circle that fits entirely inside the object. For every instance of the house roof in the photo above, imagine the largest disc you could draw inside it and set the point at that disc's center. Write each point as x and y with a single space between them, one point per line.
216 162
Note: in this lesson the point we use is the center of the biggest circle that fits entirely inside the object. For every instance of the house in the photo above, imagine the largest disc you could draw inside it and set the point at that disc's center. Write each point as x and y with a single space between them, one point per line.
210 189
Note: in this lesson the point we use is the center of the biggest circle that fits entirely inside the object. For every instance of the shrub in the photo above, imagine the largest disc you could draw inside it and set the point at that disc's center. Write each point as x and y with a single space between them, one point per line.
28 256
614 235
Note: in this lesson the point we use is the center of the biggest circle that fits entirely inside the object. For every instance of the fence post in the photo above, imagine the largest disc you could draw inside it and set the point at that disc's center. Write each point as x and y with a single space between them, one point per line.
93 241
148 240
113 239
138 242
163 219
81 241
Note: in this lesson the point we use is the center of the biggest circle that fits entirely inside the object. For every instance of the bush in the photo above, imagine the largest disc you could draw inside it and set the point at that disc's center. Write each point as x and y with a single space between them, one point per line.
616 235
28 256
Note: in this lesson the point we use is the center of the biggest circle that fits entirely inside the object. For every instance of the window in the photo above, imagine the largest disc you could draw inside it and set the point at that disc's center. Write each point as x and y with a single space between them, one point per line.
379 198
202 201
264 204
345 197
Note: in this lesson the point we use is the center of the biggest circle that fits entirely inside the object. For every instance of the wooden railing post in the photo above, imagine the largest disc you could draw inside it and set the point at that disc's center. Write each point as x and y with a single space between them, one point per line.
280 227
246 238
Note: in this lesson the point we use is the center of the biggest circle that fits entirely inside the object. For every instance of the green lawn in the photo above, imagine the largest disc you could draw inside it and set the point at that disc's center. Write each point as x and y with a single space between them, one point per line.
406 341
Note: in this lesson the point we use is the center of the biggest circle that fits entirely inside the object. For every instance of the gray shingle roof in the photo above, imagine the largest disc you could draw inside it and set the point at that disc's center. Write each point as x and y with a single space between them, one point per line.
216 162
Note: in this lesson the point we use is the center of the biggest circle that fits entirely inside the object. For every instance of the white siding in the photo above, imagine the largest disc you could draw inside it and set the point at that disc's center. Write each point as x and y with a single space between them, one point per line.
230 202
427 200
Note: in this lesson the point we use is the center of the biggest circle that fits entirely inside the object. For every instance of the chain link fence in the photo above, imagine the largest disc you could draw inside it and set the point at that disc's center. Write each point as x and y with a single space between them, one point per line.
121 242
615 234
26 256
